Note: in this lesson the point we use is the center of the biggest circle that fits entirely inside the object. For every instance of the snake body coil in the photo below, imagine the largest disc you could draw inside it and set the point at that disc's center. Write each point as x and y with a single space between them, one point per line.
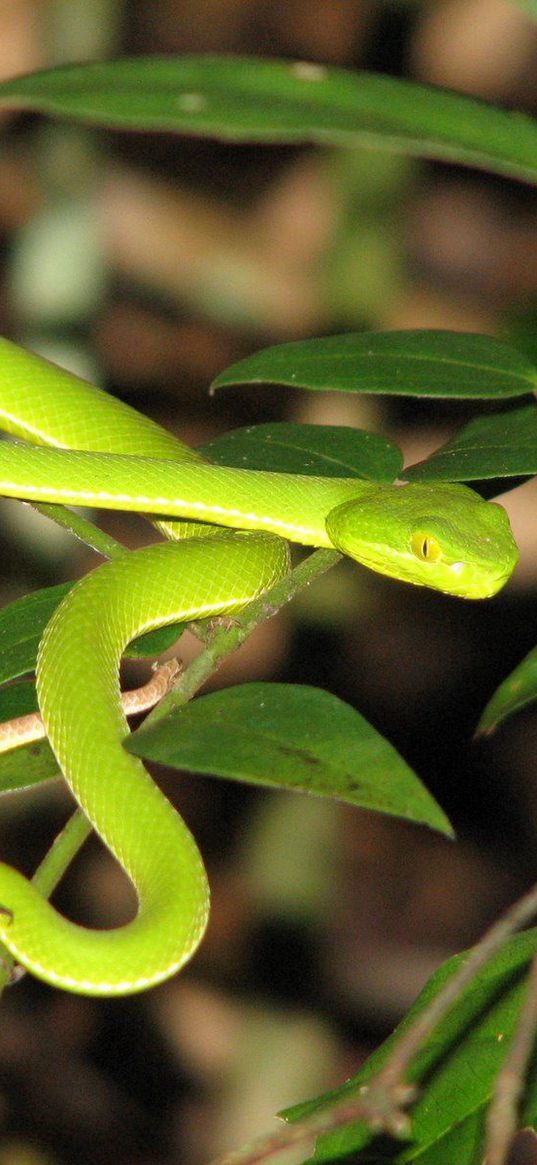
443 537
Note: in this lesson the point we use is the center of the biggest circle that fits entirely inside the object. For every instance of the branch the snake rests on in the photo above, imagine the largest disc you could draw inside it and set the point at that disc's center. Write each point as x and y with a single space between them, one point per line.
441 536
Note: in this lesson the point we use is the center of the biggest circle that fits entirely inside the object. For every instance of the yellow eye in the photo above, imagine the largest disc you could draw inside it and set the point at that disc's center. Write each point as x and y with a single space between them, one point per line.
425 547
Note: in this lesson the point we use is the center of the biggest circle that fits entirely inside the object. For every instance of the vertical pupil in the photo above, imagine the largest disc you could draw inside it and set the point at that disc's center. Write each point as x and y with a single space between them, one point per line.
425 546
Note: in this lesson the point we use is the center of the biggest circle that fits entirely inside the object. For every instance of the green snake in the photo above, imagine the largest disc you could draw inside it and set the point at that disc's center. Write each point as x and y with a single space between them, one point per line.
81 447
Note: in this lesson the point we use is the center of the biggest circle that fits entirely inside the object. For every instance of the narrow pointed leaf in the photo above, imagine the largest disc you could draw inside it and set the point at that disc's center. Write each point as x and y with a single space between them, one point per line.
501 445
290 736
281 101
514 693
21 626
411 363
456 1067
29 765
326 450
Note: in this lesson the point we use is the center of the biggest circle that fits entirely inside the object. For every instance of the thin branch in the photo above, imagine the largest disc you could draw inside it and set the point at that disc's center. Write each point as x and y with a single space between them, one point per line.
23 730
324 1121
517 916
502 1117
51 870
227 637
82 529
61 853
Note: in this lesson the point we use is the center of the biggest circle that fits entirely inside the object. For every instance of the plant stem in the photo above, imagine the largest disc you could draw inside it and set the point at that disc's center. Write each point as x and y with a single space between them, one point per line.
501 1122
61 853
51 870
82 529
227 637
517 916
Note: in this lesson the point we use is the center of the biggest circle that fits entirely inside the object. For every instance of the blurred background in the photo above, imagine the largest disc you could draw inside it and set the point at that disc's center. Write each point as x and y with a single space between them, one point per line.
148 264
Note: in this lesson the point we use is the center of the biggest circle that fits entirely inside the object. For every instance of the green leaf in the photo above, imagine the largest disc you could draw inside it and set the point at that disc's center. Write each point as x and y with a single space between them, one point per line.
514 693
413 363
17 700
457 1067
154 642
327 450
290 736
501 445
22 624
29 765
281 101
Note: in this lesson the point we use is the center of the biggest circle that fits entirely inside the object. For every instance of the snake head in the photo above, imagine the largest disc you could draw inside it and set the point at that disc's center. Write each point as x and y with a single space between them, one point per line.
441 536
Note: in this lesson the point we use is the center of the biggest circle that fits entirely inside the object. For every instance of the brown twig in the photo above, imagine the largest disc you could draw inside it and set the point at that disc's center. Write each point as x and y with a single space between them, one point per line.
358 1108
502 1117
27 729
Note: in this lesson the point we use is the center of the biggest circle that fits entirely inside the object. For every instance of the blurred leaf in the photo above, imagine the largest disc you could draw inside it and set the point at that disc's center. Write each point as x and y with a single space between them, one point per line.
22 624
529 6
413 363
290 736
457 1066
517 690
501 445
326 450
281 101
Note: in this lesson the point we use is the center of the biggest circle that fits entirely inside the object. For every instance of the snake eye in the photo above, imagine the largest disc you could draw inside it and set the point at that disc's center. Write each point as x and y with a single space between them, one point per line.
425 547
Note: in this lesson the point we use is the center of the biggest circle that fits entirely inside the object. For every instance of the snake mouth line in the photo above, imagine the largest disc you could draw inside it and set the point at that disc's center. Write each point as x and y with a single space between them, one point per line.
487 584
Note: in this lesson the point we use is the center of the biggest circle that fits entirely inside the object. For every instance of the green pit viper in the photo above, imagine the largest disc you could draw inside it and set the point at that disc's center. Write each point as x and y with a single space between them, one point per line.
82 447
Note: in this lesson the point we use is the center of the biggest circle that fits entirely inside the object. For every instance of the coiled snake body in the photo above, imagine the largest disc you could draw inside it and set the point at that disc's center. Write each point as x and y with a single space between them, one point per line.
442 536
